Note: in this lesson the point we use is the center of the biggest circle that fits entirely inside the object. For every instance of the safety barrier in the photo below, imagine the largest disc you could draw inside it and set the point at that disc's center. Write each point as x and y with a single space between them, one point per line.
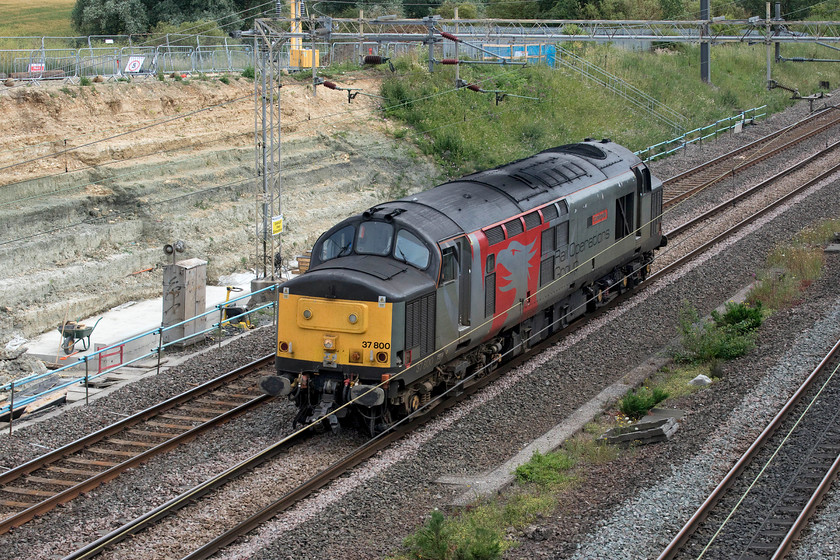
123 61
697 135
95 358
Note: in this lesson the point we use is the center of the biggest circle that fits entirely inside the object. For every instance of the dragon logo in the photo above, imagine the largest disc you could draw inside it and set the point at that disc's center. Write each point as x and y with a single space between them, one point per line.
516 259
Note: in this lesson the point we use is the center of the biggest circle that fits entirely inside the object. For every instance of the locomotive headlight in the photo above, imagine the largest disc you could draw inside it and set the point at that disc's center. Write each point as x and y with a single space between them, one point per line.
307 313
352 318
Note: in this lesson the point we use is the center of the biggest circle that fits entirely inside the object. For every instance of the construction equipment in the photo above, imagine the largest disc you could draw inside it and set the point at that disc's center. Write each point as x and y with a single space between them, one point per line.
236 316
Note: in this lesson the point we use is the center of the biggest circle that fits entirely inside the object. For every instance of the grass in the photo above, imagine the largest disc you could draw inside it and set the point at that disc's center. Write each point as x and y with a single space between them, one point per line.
49 18
638 402
467 131
726 337
792 267
480 531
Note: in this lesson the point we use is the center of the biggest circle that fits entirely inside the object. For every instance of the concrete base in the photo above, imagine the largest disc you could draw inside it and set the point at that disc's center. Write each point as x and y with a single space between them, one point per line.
260 283
121 325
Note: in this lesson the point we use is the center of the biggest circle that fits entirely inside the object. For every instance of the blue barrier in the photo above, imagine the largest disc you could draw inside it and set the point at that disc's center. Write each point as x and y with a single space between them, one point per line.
19 383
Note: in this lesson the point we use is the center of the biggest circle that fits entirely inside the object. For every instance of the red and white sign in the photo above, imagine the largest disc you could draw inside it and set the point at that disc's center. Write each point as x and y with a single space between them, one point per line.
37 67
135 63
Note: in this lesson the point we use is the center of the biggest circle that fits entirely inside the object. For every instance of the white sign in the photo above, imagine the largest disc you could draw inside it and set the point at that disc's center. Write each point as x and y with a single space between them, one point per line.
37 67
135 63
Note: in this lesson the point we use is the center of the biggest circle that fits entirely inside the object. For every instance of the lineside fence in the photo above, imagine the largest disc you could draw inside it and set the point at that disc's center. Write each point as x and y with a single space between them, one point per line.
92 362
730 124
128 56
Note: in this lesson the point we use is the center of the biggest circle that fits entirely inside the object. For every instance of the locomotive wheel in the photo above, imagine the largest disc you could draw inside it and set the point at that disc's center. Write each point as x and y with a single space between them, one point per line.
412 403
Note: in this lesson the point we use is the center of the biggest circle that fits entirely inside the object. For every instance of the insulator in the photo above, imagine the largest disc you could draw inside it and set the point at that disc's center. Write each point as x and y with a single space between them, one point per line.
331 85
474 87
449 36
450 61
374 59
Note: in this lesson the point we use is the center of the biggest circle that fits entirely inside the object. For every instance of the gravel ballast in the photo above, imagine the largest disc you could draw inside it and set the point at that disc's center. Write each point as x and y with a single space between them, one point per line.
634 503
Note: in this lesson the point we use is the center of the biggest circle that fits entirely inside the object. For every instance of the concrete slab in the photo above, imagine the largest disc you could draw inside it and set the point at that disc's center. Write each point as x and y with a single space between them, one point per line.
122 323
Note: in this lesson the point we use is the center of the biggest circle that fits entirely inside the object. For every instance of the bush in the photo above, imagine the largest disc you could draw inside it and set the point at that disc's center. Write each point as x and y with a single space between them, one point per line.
636 404
249 73
84 81
704 342
739 317
432 541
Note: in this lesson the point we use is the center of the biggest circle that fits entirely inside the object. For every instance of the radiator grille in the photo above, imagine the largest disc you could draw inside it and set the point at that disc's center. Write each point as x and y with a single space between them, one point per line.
420 325
490 295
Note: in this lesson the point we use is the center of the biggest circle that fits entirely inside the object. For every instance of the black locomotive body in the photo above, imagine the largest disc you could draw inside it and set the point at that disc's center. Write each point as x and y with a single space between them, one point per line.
412 296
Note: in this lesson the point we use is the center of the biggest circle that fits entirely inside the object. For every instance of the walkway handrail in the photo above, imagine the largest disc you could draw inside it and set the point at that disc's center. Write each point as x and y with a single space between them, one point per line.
696 135
18 404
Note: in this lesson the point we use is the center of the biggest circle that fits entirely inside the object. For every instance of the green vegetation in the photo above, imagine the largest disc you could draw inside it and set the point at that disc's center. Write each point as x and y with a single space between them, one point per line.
726 337
479 531
549 469
35 19
637 403
467 131
792 267
248 72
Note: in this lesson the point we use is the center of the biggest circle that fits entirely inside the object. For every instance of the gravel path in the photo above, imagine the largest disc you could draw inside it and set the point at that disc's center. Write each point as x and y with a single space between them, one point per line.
369 512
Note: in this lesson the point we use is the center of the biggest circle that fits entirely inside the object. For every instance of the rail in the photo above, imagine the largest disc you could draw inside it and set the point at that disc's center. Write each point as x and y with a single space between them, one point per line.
19 405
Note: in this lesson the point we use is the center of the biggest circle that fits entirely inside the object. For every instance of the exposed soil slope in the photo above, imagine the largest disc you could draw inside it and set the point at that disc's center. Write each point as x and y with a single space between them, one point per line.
95 180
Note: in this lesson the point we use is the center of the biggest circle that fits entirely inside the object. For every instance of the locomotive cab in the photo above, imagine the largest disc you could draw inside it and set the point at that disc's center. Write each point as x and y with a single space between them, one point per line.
341 325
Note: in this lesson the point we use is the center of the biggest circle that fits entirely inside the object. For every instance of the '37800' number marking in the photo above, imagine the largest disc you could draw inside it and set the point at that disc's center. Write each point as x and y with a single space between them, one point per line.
376 345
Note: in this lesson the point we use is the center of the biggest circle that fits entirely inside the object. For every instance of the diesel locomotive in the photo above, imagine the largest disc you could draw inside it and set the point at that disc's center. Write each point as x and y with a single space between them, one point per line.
412 296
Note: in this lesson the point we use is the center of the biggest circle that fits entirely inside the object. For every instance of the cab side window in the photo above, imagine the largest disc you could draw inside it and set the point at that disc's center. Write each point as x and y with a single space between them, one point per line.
449 265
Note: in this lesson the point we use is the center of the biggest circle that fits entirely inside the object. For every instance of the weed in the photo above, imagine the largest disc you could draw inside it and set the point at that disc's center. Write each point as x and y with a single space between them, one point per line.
706 341
432 541
636 404
739 317
225 80
160 77
84 81
248 73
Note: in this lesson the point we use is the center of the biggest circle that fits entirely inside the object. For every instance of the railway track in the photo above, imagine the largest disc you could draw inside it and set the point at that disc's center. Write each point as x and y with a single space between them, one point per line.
686 184
341 466
766 499
40 485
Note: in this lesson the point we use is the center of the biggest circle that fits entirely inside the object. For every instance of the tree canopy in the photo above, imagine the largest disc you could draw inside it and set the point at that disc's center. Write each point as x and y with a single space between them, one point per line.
113 17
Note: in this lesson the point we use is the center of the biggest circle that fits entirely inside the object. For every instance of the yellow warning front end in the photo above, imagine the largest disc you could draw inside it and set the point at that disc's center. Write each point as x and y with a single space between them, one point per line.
334 333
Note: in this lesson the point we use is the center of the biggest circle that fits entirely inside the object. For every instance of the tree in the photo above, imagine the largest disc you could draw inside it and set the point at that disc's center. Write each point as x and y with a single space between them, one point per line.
109 17
505 9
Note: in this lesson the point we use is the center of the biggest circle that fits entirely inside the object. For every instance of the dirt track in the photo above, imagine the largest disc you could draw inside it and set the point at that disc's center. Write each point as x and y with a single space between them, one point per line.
95 180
